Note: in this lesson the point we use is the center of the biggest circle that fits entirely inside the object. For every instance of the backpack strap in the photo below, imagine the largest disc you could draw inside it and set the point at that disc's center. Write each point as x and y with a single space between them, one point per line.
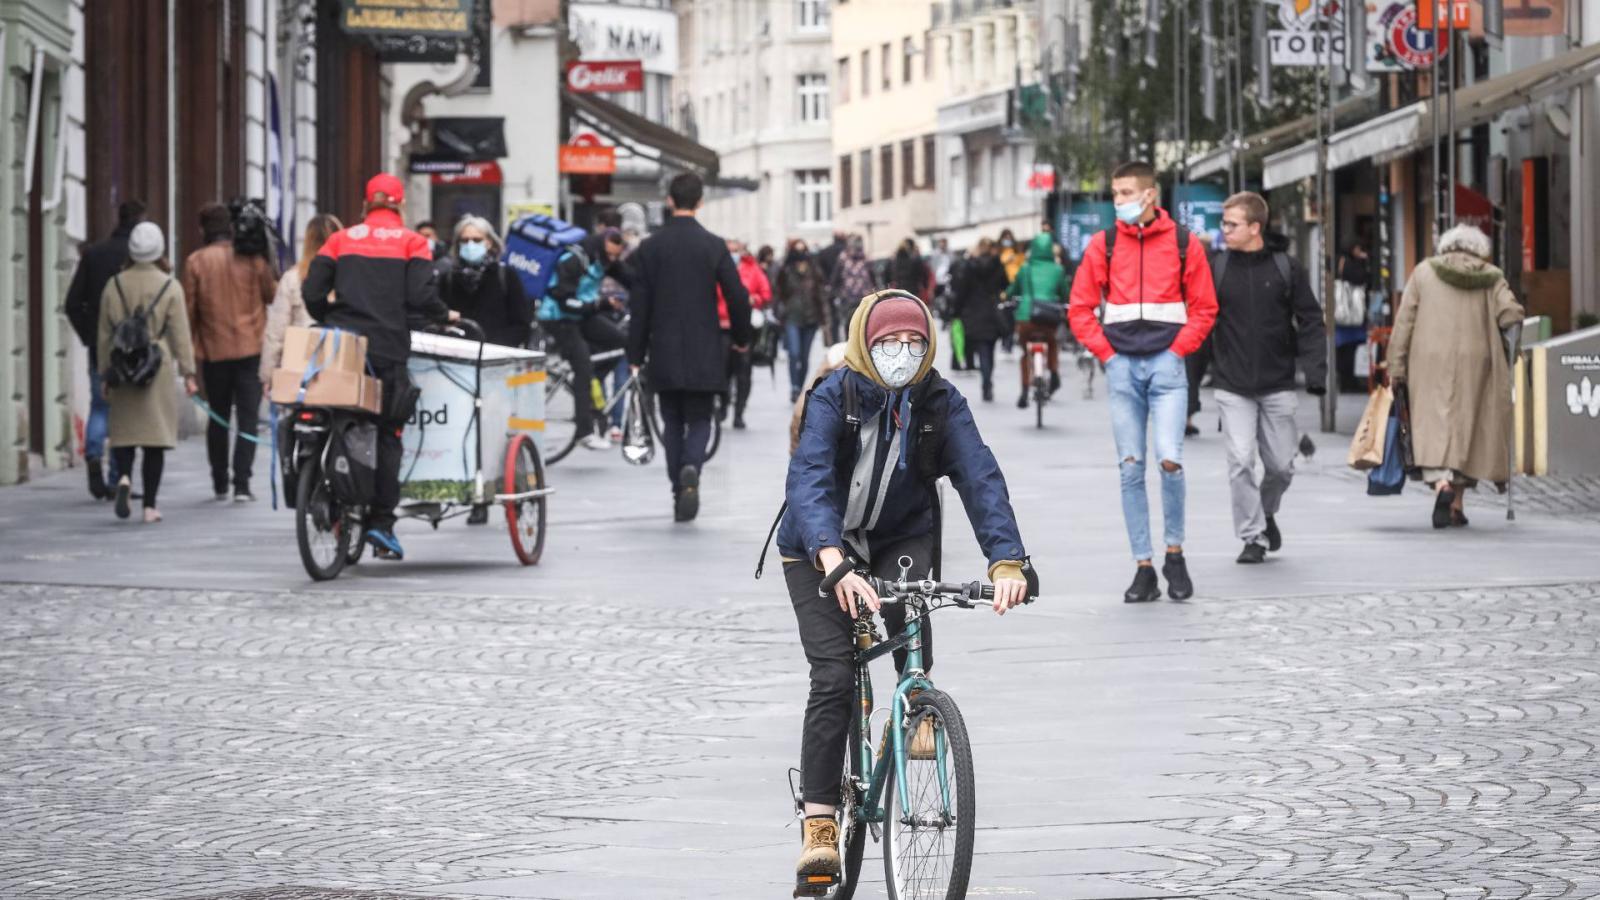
1218 267
1281 260
852 419
152 308
116 281
1182 234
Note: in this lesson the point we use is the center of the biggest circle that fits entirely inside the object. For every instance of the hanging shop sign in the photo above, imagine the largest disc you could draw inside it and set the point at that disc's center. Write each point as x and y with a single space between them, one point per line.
1429 12
586 156
1396 42
609 31
1081 222
480 173
443 18
620 76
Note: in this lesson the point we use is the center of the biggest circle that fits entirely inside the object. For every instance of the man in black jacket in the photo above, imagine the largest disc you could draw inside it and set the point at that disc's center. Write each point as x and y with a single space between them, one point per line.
674 327
380 275
1268 322
97 263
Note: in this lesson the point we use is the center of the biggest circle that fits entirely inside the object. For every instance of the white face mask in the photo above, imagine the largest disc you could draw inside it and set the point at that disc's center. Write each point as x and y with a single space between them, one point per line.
896 371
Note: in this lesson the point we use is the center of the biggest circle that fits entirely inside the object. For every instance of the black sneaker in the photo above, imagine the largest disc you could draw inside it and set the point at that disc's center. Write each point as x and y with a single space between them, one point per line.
1022 402
1055 383
97 480
1145 588
124 494
1191 430
1251 554
738 421
686 503
988 393
1273 535
1176 571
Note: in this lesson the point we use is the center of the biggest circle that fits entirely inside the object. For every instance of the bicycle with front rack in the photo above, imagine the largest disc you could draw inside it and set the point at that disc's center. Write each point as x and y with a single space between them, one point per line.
918 804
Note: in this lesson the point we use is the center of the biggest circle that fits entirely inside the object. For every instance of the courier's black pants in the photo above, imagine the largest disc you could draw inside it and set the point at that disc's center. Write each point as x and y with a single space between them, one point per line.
825 633
233 386
570 343
386 490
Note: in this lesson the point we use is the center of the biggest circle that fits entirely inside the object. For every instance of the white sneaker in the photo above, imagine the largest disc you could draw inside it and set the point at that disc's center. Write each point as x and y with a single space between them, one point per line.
595 442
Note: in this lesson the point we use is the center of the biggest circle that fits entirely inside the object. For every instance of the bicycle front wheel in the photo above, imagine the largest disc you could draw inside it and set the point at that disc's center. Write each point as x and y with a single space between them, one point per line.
927 852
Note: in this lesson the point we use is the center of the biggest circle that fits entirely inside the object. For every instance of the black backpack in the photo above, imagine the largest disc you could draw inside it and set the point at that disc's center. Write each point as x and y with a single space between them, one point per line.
135 354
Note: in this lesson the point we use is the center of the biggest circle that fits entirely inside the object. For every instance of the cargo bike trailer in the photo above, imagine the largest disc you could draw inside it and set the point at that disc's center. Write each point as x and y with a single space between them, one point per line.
479 404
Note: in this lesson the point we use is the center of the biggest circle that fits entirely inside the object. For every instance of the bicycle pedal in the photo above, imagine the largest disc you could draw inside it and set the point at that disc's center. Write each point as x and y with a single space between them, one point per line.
814 885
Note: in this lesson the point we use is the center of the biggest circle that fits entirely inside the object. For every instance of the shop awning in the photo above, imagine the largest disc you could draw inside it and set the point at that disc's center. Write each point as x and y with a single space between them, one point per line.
1408 129
645 138
1271 140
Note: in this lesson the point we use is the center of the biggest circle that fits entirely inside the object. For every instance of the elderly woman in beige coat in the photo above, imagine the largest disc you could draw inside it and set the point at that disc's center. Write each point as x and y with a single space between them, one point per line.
1447 349
146 418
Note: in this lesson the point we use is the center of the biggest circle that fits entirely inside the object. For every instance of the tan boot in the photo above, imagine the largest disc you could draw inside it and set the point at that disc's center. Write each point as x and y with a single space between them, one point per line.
922 742
819 855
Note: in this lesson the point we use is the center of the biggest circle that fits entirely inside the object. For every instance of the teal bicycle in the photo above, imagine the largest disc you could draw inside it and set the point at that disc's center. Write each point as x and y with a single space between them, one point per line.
914 793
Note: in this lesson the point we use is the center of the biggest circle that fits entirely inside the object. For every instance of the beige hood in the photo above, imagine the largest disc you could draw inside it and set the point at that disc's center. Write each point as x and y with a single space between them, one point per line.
856 355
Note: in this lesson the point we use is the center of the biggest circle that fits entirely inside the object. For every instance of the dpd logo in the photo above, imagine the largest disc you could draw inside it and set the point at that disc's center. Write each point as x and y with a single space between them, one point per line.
426 417
1584 397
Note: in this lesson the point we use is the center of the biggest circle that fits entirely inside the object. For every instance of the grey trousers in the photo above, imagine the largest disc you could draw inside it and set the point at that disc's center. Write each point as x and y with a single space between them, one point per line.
1253 426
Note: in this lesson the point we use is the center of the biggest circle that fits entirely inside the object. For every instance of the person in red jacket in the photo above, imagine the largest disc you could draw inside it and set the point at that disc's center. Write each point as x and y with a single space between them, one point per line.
1159 305
756 284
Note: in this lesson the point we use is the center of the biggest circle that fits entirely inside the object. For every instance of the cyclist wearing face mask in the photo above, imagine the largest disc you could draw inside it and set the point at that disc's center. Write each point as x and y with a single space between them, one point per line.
876 436
473 282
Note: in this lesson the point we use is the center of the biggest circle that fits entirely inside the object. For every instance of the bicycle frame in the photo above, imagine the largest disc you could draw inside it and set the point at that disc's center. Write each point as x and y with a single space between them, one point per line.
871 808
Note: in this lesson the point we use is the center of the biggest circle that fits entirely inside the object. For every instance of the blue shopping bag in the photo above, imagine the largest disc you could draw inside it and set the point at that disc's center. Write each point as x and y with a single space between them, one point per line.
1389 477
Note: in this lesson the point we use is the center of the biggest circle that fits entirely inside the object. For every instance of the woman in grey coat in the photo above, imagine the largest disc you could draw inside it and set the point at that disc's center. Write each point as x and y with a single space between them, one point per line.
146 417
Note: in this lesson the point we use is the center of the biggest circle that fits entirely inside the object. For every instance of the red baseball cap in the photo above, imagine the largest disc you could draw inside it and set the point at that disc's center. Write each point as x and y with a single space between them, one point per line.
388 185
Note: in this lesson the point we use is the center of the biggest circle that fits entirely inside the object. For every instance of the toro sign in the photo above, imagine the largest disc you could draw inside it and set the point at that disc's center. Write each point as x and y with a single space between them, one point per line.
607 77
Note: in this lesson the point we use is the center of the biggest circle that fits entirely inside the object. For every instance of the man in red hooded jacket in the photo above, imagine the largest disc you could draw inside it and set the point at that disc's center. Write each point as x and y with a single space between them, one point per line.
1159 306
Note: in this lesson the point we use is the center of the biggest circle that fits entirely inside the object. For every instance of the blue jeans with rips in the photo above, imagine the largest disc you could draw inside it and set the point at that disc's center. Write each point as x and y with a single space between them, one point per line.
1149 400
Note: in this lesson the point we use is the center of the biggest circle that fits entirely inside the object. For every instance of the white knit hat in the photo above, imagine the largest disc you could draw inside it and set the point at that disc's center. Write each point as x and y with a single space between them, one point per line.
146 243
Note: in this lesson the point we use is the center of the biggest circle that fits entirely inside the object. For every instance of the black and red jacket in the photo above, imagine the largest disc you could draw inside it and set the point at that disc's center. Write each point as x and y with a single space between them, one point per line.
1147 309
381 276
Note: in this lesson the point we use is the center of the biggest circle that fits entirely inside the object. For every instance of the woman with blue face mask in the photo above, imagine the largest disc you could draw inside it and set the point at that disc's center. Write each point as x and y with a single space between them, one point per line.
473 281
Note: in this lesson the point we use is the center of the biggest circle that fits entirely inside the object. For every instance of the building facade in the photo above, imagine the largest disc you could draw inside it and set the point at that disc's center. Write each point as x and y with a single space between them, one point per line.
987 52
756 83
887 88
174 106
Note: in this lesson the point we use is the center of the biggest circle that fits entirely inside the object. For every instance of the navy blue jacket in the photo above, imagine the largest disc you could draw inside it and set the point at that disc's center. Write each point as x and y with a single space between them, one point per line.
820 469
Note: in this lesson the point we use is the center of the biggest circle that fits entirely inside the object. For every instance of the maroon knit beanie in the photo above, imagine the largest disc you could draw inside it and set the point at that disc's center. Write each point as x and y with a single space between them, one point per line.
893 314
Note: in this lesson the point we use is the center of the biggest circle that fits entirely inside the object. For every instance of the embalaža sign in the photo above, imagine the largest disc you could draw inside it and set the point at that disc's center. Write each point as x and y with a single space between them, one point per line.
605 76
587 160
451 18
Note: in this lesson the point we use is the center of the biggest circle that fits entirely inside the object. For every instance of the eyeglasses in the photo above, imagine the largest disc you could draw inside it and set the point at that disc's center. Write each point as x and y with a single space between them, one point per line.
891 348
1232 226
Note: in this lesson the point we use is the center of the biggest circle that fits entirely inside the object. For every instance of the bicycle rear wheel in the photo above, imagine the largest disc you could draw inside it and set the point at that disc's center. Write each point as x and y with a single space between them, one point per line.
854 842
321 528
560 415
927 850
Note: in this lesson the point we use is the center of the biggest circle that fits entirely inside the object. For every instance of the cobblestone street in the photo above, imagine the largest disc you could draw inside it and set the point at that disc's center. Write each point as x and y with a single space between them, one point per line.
1381 711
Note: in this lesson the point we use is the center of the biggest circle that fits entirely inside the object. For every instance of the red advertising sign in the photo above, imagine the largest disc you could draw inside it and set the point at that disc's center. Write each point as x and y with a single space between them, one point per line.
587 160
605 76
474 173
1460 10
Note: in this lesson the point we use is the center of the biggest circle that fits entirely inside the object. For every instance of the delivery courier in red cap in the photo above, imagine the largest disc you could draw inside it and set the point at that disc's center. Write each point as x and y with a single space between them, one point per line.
376 279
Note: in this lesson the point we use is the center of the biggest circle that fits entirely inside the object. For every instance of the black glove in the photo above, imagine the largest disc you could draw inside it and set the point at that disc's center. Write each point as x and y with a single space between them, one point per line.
1317 389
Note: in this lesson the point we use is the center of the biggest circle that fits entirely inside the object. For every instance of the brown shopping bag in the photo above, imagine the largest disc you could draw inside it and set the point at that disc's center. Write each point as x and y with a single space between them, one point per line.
1366 448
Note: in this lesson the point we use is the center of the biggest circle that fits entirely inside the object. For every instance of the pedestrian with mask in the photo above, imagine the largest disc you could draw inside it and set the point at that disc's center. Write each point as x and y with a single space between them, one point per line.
909 272
853 279
1151 273
1269 324
228 293
97 263
477 285
978 290
143 418
877 436
803 305
289 307
674 331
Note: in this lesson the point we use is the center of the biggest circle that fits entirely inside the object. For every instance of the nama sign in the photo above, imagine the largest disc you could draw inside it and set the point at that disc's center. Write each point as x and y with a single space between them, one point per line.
605 77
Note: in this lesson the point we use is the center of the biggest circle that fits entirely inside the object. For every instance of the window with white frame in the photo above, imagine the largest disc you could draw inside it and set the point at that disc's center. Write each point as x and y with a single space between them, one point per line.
813 89
814 193
811 15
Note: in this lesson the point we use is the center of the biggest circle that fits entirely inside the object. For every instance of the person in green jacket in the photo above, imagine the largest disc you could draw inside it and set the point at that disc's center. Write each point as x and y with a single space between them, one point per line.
1041 280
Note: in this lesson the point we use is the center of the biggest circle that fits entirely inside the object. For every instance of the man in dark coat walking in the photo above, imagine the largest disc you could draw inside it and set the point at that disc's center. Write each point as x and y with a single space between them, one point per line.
675 331
96 265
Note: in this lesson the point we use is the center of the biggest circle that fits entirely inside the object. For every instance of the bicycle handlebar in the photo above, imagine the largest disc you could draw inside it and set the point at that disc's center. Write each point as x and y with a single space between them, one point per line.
892 590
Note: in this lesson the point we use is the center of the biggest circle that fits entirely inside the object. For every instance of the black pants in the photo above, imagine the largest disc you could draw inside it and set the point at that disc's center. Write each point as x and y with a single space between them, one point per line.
739 368
603 333
825 633
984 352
1196 365
155 459
386 489
685 429
570 342
233 388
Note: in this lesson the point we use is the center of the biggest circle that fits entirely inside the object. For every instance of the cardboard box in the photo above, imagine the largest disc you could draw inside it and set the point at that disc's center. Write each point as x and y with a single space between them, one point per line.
336 390
335 350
